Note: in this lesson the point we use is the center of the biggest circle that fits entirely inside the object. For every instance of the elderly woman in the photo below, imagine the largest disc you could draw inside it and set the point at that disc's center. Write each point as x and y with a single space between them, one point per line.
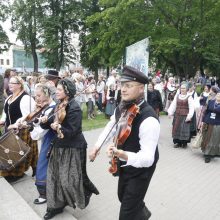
211 129
67 180
17 107
45 102
182 108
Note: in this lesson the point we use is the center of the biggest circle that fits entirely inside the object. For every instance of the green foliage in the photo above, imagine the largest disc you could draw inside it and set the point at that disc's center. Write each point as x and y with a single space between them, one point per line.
4 41
184 34
60 20
99 121
26 15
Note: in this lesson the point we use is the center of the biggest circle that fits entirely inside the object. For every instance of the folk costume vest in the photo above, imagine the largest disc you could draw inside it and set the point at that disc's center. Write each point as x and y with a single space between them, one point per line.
13 111
132 143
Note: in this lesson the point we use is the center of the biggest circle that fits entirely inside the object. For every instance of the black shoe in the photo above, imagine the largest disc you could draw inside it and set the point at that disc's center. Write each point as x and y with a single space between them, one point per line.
50 214
147 213
207 159
184 145
40 200
34 171
177 145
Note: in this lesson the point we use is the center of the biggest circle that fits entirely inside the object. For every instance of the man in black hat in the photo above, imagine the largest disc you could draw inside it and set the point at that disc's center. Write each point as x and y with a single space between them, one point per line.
53 79
53 76
138 154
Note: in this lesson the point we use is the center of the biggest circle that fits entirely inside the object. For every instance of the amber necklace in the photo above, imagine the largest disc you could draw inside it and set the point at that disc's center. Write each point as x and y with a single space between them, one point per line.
13 97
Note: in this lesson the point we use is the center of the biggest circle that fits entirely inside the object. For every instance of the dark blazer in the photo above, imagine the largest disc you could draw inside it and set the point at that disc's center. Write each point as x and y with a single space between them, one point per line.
71 128
213 109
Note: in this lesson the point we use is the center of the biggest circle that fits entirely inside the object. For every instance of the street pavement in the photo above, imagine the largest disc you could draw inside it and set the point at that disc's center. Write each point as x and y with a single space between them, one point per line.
182 188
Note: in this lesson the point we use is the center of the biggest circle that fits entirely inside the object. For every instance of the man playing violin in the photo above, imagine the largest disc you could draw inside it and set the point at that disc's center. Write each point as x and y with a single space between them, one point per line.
138 154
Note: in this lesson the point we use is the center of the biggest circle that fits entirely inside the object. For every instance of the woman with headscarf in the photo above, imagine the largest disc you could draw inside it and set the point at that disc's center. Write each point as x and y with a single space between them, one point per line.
182 108
67 180
211 129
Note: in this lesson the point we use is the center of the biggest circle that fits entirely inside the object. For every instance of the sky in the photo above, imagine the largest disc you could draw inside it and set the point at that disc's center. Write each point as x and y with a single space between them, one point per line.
12 36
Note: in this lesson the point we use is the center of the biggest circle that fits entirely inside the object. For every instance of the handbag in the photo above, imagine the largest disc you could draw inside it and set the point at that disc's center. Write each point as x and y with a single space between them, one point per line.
197 142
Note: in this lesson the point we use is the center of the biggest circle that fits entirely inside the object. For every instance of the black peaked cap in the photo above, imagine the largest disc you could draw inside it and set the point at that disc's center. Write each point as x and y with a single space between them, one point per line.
131 74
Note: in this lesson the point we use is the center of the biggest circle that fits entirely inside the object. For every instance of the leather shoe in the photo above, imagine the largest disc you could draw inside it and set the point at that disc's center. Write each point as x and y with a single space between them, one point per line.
50 214
147 213
34 171
40 200
207 159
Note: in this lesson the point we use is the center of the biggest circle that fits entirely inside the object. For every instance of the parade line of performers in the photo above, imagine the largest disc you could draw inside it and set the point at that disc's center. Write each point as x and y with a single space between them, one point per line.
60 166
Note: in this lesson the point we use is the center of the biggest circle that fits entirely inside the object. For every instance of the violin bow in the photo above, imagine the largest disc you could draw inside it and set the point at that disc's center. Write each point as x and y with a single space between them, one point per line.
69 101
116 123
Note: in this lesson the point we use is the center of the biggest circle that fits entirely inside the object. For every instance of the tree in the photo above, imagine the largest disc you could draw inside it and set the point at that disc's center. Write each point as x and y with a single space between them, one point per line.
4 41
89 58
25 20
118 26
60 19
184 34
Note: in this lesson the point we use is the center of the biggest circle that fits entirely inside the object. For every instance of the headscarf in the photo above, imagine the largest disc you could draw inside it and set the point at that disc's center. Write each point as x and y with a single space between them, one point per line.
68 86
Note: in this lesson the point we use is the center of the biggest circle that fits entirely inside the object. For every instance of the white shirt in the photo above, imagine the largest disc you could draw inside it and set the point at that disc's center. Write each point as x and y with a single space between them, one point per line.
149 132
38 132
173 105
100 87
27 105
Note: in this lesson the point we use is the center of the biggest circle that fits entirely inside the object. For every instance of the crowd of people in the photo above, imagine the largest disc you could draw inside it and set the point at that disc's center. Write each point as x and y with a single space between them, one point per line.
46 112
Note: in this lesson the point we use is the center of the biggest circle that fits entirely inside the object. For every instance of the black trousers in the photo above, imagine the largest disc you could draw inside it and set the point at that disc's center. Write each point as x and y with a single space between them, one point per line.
131 193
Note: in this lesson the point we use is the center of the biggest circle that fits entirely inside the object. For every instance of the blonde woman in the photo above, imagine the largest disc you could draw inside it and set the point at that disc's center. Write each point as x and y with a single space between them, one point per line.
16 108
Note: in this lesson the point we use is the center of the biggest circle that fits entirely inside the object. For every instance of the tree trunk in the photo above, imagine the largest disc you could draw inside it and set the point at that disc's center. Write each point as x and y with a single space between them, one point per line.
35 58
107 71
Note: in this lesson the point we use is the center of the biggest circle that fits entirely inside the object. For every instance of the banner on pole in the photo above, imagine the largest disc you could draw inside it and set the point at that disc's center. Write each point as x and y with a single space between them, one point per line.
137 55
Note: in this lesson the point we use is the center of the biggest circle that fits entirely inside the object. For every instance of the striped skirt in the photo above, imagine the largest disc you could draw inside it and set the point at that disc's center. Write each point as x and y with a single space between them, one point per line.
211 140
181 130
67 180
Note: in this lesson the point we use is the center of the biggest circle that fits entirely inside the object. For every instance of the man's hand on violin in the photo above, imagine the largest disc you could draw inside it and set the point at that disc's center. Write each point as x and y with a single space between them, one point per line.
113 151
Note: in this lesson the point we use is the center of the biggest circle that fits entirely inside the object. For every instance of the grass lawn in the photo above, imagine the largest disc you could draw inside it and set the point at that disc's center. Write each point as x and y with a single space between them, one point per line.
98 122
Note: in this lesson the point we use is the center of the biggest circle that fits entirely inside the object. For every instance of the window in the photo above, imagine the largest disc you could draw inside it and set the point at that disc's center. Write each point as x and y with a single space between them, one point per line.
8 62
1 61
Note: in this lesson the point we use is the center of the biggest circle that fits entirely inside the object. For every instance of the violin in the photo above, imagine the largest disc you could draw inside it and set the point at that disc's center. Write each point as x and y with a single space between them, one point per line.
60 115
122 133
33 115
